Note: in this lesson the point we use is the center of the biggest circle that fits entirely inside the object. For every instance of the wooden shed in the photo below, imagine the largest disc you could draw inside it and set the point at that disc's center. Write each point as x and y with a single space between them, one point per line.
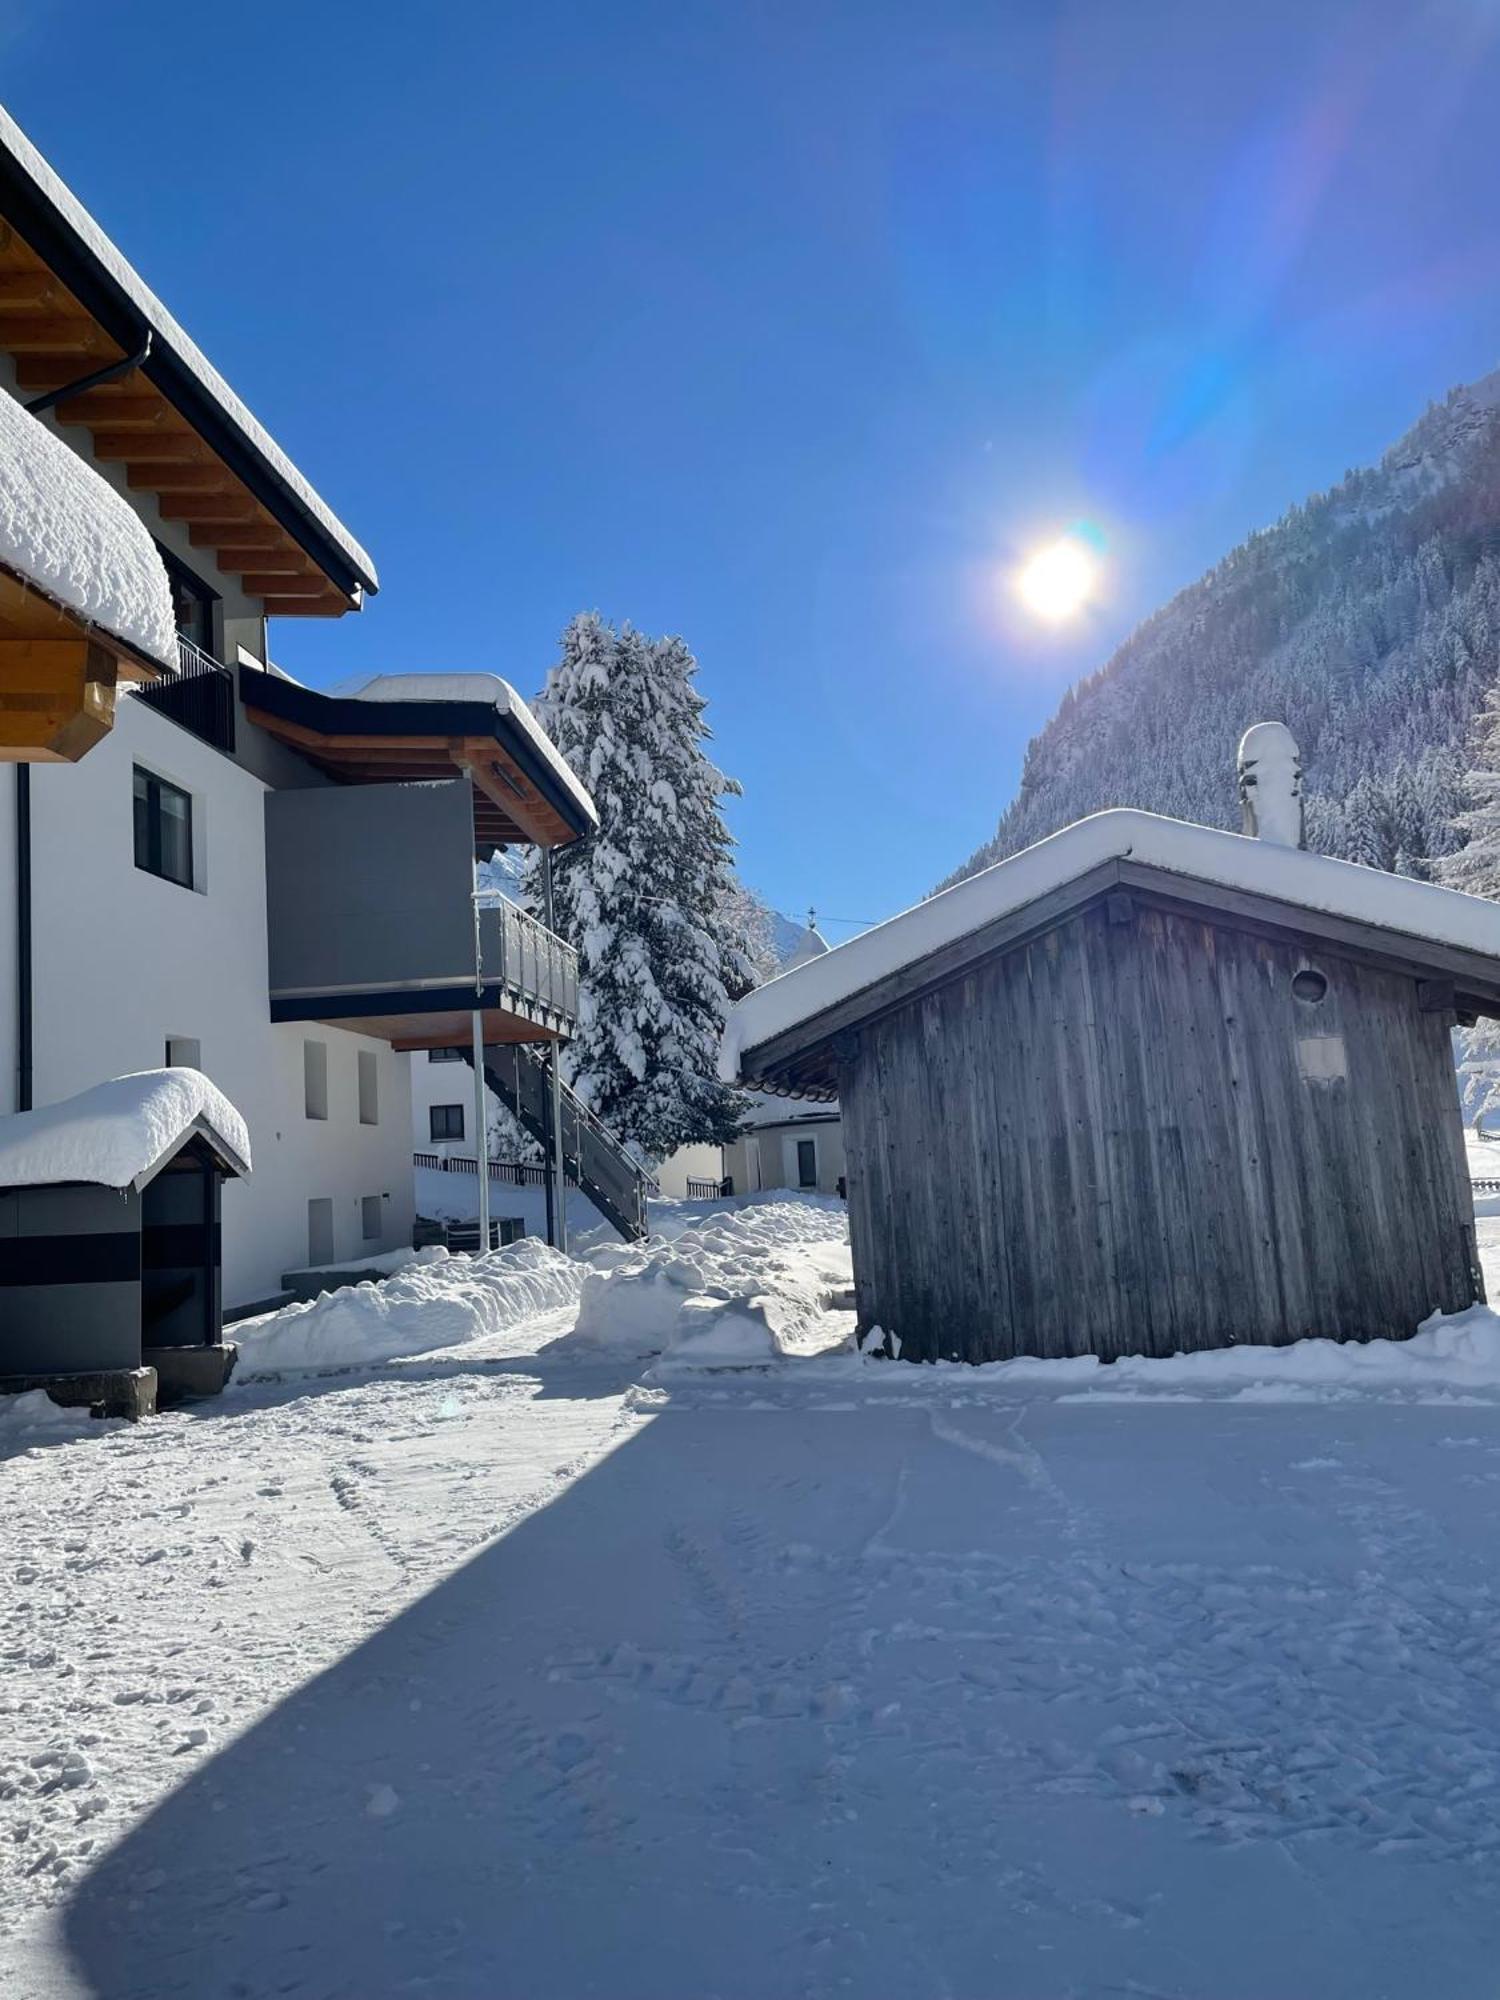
110 1238
1146 1088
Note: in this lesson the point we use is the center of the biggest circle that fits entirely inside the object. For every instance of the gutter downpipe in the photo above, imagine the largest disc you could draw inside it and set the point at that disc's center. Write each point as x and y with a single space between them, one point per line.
23 939
111 372
557 1186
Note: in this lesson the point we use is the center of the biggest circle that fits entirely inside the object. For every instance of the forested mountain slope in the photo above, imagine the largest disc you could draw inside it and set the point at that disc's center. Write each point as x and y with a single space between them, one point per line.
1367 619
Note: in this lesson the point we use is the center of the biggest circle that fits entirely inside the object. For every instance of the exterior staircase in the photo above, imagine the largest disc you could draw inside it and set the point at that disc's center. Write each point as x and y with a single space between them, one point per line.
592 1155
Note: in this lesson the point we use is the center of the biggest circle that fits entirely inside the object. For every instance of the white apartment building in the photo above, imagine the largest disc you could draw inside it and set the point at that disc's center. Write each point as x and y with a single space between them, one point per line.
226 870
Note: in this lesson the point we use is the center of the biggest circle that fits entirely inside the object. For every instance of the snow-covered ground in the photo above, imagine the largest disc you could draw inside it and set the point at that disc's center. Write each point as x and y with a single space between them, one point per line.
535 1664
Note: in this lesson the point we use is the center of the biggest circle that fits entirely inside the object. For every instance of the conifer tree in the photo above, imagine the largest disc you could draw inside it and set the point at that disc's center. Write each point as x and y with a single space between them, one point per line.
643 900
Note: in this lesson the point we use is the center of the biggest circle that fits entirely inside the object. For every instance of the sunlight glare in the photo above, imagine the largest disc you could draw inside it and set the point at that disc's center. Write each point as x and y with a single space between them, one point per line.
1058 581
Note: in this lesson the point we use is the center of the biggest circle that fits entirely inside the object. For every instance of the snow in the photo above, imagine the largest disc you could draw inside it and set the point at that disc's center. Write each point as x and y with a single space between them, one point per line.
494 693
1270 775
814 1674
33 1411
118 1134
440 1302
66 531
1398 904
167 334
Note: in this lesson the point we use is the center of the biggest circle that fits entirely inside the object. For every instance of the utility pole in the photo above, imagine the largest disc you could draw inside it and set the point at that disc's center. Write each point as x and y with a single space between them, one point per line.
557 1185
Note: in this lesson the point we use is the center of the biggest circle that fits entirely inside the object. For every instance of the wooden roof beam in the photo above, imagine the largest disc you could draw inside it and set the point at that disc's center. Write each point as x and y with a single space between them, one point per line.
226 509
332 606
173 477
27 335
258 535
271 584
128 412
153 448
502 791
29 291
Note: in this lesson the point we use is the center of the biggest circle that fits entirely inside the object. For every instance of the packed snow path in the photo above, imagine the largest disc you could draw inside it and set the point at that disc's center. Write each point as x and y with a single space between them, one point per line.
539 1672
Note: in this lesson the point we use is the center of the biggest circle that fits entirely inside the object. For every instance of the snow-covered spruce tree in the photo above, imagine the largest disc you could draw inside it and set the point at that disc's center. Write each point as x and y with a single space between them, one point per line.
1475 868
630 898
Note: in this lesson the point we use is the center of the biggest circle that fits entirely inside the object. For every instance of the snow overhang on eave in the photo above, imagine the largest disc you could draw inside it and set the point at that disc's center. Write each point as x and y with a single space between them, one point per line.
786 1036
55 226
524 792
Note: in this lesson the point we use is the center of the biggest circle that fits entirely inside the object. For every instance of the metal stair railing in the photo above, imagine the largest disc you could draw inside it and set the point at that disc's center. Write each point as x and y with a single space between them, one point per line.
593 1157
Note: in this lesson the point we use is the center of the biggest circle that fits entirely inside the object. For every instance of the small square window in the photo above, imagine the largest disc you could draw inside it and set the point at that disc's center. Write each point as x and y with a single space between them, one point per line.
163 829
315 1079
369 1088
445 1055
184 1052
369 1218
446 1121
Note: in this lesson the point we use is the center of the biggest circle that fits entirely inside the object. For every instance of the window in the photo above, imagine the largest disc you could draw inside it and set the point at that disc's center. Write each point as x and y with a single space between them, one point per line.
184 1052
320 1230
1309 986
369 1088
445 1055
163 829
807 1163
446 1122
192 601
315 1079
369 1217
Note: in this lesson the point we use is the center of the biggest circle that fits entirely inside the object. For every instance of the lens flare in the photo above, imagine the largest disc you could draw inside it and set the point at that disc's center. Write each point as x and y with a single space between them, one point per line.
1058 581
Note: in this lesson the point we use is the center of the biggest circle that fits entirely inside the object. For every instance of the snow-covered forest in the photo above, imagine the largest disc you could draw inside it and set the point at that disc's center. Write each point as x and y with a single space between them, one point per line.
1368 619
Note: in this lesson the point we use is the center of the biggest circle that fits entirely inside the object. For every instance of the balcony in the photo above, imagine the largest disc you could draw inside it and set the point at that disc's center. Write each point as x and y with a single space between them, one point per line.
200 700
372 923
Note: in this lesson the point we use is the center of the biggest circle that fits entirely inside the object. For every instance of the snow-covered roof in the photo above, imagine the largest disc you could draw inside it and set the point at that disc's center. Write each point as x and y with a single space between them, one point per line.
120 1134
69 534
494 693
168 336
1417 911
812 944
768 1109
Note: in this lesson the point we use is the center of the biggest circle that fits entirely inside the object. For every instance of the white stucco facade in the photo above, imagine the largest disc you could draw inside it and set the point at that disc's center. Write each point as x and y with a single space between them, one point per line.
124 962
788 1147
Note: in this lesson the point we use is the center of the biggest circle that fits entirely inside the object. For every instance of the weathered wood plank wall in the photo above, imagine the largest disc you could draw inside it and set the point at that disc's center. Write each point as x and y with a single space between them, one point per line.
1130 1136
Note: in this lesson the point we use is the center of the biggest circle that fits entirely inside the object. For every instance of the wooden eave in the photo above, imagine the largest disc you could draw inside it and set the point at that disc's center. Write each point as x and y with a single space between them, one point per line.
29 614
804 1060
387 743
54 341
59 674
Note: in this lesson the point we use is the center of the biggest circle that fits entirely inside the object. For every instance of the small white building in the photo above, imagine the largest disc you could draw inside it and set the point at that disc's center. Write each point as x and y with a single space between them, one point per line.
786 1143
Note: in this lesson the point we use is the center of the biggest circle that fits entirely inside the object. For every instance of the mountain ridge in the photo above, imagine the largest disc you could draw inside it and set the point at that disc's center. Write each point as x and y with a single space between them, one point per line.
1367 618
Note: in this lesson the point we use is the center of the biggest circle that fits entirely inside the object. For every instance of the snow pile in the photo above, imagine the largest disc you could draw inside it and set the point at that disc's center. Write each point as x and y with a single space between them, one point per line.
442 1302
35 1411
1397 904
744 1286
117 1134
66 531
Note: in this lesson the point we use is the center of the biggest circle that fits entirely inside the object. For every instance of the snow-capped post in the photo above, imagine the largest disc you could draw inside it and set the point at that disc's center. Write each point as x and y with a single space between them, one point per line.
1270 772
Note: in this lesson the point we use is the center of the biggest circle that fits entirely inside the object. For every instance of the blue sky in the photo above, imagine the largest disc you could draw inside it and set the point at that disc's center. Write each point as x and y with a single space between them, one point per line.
790 325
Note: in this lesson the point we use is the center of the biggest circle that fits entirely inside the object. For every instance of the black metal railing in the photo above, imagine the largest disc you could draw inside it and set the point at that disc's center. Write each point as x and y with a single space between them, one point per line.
514 1173
200 699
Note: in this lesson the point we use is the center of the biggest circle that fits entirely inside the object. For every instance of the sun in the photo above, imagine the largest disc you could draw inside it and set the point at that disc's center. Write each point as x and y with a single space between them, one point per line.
1058 581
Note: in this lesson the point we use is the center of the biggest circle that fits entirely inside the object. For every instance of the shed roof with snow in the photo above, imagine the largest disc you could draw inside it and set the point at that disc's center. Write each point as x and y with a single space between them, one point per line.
120 1134
780 1037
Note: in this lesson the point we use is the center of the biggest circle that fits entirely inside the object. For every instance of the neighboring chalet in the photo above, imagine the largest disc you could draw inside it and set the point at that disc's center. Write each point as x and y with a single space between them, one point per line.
1148 1087
788 1145
203 864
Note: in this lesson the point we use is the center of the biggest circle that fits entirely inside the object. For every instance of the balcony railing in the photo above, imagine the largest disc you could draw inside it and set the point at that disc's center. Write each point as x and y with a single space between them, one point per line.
200 699
524 955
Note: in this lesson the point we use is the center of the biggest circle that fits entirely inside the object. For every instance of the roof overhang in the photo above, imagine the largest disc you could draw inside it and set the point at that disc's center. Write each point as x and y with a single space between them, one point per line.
70 306
520 795
801 1056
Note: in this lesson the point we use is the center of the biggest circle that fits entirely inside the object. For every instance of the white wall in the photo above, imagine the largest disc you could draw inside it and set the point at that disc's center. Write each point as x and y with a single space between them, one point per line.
698 1163
123 960
444 1083
767 1157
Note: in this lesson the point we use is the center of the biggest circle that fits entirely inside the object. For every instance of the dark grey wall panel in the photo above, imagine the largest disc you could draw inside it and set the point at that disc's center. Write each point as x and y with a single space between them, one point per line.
369 886
69 1287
